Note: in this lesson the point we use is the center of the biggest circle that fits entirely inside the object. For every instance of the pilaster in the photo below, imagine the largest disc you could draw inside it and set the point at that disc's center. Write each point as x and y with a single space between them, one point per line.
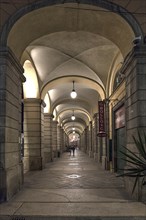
90 140
11 167
135 75
59 140
48 137
54 138
95 142
33 134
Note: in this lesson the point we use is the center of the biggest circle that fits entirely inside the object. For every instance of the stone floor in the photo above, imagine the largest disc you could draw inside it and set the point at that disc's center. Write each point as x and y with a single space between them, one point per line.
72 188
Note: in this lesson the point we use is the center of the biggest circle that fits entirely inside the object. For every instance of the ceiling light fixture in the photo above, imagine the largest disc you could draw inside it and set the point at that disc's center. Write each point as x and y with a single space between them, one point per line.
73 93
73 116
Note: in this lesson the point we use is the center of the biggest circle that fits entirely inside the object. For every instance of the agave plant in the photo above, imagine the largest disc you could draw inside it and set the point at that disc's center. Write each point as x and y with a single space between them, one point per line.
136 162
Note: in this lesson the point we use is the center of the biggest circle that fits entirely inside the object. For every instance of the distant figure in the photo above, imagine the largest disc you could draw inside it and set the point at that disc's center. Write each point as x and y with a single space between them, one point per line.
70 150
73 150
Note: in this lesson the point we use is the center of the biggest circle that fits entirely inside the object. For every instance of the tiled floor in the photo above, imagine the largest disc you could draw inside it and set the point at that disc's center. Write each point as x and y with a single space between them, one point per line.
72 187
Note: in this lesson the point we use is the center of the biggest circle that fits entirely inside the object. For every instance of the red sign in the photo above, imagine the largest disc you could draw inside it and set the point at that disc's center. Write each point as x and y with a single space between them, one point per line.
101 119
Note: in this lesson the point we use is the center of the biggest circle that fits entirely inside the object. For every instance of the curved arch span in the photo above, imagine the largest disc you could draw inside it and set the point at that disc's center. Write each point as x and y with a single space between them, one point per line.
44 3
82 80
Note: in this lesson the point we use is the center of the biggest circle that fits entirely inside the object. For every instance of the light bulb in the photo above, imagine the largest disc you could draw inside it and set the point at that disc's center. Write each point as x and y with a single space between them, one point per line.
73 94
73 117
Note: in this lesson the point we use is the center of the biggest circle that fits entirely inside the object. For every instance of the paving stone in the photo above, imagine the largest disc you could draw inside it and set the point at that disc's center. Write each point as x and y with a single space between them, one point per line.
73 188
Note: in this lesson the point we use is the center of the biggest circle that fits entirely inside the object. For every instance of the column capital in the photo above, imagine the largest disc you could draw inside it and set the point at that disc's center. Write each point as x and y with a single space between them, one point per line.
55 122
95 115
32 100
6 55
135 53
49 115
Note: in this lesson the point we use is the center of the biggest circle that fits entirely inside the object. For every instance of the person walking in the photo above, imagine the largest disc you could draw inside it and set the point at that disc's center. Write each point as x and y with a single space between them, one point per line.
73 150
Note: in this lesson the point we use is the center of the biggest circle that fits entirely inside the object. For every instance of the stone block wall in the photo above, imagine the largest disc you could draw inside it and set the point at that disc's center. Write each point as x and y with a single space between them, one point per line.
33 145
11 78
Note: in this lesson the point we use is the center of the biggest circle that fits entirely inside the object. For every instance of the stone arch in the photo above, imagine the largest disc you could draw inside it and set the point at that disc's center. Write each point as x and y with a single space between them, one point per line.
130 19
30 87
93 83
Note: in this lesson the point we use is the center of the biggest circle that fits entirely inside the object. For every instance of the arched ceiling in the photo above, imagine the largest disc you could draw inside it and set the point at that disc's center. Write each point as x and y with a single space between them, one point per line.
72 42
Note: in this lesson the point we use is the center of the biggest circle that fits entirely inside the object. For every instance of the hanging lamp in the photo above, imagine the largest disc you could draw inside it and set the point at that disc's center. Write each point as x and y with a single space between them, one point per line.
73 93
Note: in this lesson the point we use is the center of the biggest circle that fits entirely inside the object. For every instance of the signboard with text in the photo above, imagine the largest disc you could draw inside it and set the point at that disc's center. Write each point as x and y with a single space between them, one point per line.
101 119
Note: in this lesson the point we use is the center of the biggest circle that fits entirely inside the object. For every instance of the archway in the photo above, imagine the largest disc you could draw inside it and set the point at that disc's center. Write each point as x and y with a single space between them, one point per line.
76 44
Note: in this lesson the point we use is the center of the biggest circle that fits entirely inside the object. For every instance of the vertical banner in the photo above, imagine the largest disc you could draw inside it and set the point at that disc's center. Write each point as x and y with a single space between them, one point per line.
101 119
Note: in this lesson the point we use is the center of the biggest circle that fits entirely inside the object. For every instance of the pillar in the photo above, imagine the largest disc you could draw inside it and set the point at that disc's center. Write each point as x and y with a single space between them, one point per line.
82 144
95 142
62 139
135 76
104 153
33 134
54 138
90 139
135 71
11 167
48 137
59 139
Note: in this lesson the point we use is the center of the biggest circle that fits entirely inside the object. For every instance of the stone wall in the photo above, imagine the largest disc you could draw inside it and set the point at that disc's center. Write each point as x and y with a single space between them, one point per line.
11 78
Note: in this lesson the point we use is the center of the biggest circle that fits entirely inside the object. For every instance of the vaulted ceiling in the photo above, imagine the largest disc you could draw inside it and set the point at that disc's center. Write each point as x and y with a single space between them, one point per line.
72 42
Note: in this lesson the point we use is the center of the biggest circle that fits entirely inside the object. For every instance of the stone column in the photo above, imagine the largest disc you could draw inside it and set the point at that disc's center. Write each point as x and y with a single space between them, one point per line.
82 144
64 140
54 138
48 137
61 138
104 155
134 70
33 144
90 139
95 142
99 150
87 139
11 167
59 145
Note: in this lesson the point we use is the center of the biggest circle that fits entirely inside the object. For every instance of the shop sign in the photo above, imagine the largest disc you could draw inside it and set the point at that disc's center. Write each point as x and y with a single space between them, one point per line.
101 119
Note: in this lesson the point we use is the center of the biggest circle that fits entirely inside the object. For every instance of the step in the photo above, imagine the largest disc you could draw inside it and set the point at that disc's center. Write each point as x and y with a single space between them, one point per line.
69 218
73 211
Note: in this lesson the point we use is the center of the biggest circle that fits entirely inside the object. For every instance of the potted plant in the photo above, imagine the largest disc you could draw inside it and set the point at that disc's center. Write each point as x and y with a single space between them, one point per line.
136 162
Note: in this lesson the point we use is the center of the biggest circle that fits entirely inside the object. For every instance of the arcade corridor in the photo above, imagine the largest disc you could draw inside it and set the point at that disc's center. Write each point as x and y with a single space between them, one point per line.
75 188
72 72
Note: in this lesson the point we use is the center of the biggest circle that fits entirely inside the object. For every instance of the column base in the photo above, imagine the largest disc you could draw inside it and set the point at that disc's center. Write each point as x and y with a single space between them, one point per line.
55 153
48 157
96 156
11 182
91 154
3 187
32 163
104 162
143 194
